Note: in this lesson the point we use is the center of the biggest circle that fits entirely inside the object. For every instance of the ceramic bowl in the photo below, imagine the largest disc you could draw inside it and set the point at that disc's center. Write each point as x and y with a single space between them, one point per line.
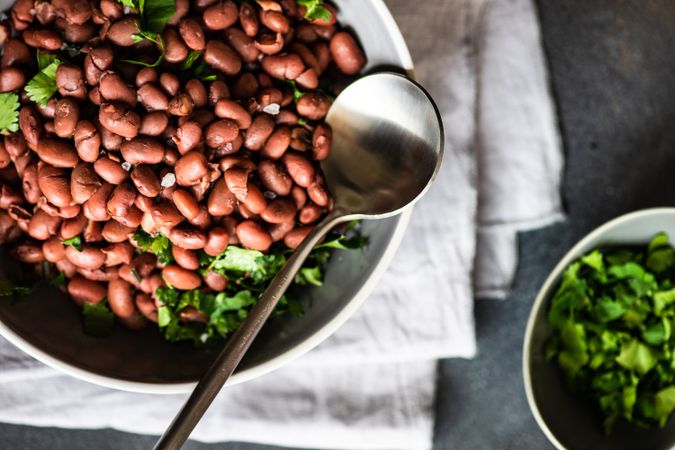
47 325
568 421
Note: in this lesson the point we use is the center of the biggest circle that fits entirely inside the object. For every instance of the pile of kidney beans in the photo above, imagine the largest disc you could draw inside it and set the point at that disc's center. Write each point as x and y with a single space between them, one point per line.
230 161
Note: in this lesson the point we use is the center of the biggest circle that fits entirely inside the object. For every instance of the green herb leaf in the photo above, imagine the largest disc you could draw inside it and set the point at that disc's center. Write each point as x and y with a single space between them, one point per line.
310 275
75 242
98 320
637 357
153 37
297 93
129 4
315 10
159 245
156 14
43 85
58 280
9 113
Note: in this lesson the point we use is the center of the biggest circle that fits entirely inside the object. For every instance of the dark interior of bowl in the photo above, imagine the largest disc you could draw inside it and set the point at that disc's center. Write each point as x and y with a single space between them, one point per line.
49 320
575 421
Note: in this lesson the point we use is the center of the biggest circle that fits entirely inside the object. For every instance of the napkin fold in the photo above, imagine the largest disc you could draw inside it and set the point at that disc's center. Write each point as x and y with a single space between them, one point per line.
372 384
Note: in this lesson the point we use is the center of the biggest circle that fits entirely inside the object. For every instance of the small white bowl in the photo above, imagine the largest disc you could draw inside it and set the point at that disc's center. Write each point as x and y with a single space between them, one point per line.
568 421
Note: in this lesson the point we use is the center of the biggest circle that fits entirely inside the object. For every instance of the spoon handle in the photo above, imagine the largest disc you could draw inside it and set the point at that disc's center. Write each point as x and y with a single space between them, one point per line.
240 341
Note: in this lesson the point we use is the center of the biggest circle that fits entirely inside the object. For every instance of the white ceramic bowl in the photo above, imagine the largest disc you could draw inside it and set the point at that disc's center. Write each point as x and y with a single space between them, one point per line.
47 325
570 422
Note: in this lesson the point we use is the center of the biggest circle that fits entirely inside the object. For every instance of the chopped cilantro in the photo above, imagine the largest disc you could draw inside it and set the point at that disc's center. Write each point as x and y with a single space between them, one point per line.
43 85
315 10
297 93
613 315
9 113
75 242
159 245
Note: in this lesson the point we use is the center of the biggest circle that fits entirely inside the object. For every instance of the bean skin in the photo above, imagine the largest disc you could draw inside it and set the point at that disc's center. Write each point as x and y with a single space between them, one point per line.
287 66
273 178
181 278
221 57
118 253
146 306
152 97
187 238
121 200
166 215
221 132
197 91
313 106
119 119
248 19
318 194
16 53
170 83
44 39
253 236
70 81
55 185
120 298
322 141
142 150
73 227
113 89
187 259
111 171
88 258
66 116
146 181
83 291
53 250
242 44
216 241
181 105
277 143
146 75
228 109
260 130
220 16
176 50
279 210
296 236
96 62
29 184
121 32
192 34
299 168
186 204
188 136
310 214
236 179
95 208
346 53
154 123
30 125
191 168
43 226
83 182
221 201
280 230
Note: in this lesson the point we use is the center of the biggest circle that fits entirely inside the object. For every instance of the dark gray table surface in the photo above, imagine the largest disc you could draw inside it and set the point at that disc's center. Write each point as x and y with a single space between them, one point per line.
613 73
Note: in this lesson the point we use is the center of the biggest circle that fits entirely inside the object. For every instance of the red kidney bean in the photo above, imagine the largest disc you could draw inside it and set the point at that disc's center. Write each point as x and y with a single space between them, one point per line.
55 185
221 132
273 178
95 209
83 182
197 91
299 168
181 278
187 259
346 53
146 306
221 201
191 168
186 204
216 241
118 253
221 15
277 143
246 86
70 81
286 66
83 291
294 237
92 231
175 49
142 150
279 210
170 83
121 32
152 98
318 194
182 8
215 281
146 75
110 170
322 141
217 90
279 230
310 214
113 89
29 184
299 196
120 119
228 109
44 39
42 226
73 227
154 123
30 125
221 57
120 298
248 18
53 250
260 130
242 44
66 116
89 258
188 136
237 182
166 215
121 200
146 181
96 62
192 33
313 105
187 238
253 236
11 79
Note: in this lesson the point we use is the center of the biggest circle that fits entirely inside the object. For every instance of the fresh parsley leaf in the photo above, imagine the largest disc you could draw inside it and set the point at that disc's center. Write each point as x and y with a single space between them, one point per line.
156 14
194 66
45 59
98 319
238 259
190 60
129 4
43 85
315 10
9 112
143 240
310 275
159 245
75 242
153 37
297 93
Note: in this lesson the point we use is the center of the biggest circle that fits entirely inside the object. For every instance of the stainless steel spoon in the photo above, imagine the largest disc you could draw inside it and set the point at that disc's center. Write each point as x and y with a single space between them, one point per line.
387 148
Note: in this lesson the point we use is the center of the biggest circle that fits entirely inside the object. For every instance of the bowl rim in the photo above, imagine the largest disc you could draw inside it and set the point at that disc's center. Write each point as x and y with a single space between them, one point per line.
400 48
543 295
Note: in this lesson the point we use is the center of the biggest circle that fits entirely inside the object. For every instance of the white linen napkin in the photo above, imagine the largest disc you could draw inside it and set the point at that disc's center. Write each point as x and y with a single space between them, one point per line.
372 384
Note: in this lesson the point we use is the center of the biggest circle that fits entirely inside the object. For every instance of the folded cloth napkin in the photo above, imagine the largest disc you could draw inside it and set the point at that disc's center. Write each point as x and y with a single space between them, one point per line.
372 384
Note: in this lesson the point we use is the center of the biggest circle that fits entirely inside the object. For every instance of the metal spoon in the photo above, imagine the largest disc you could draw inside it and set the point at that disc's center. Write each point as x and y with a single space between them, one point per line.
387 148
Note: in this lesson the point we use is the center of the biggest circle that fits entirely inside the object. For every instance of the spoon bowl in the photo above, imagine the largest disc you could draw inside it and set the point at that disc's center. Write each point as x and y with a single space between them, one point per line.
387 144
385 155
